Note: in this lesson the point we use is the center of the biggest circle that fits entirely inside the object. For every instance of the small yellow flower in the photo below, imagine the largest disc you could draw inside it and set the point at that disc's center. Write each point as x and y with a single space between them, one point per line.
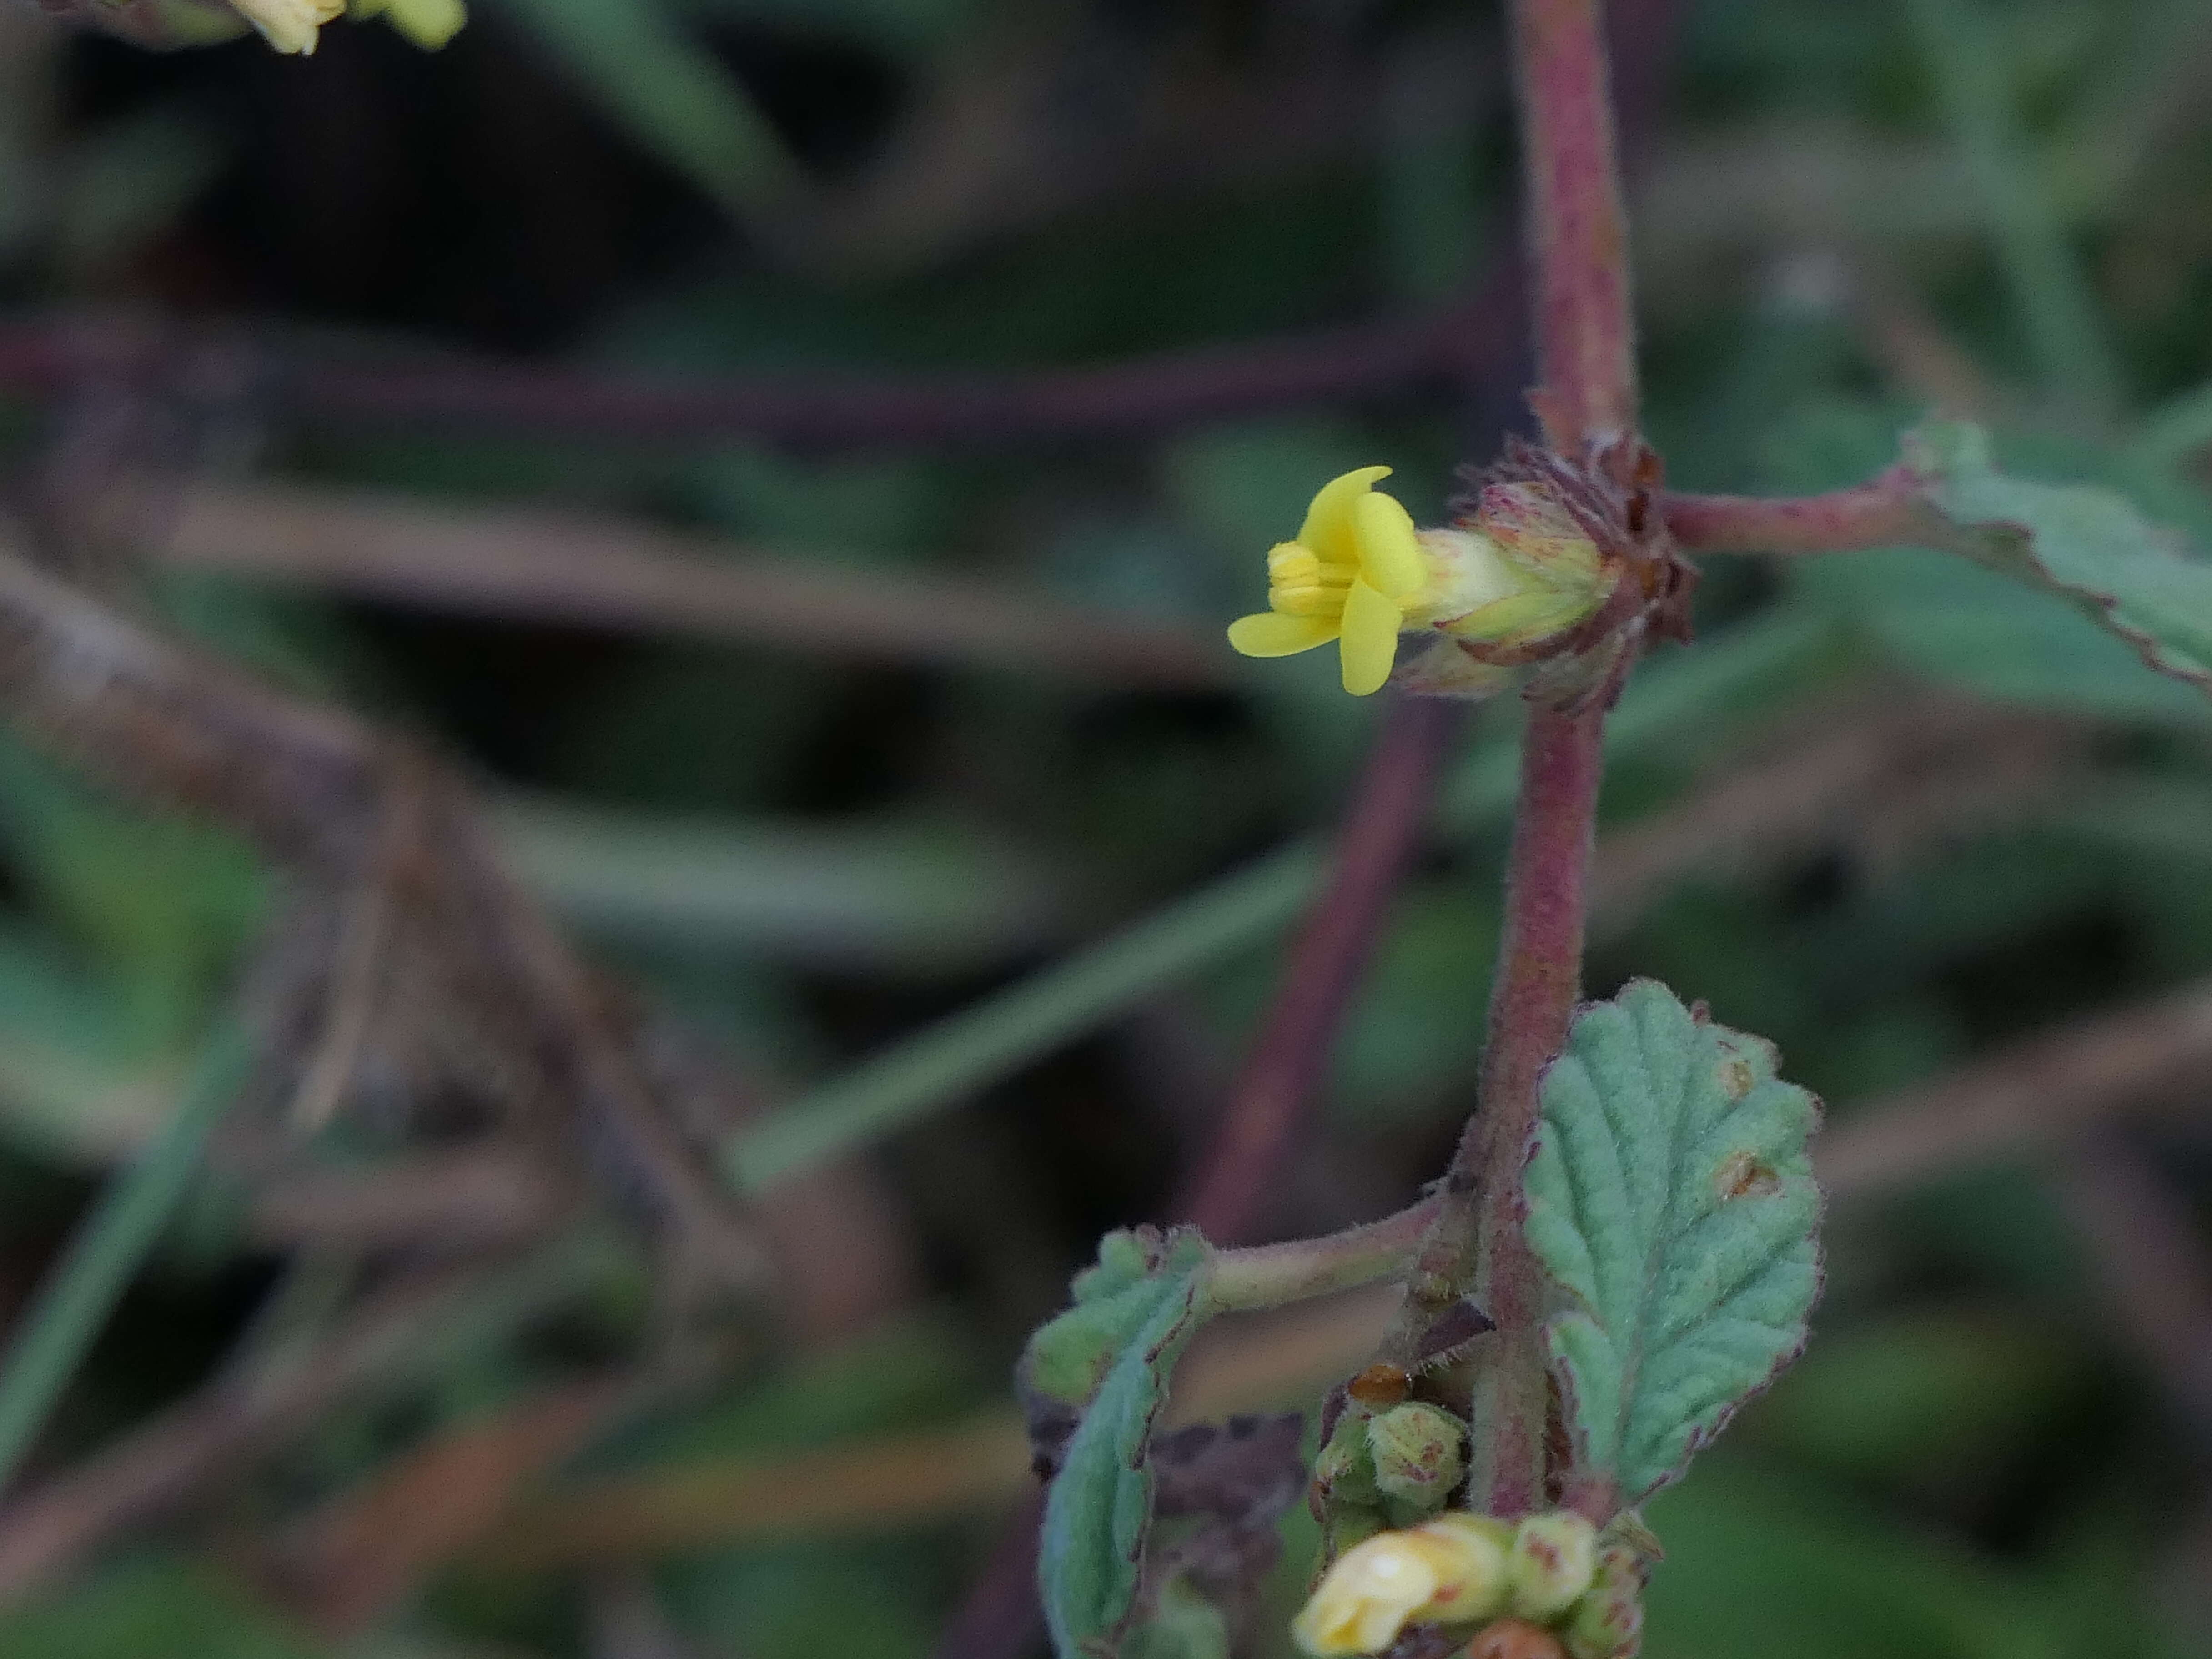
290 25
1452 1570
1352 575
1359 573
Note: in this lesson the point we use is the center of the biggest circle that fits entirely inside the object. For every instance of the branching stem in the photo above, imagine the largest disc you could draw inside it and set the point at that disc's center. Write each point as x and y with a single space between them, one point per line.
1888 511
1270 1275
1585 341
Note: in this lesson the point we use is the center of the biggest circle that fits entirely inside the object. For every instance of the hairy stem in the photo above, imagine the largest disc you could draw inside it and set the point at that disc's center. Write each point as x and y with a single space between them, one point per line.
1269 1275
1476 1245
1577 232
1889 510
1585 343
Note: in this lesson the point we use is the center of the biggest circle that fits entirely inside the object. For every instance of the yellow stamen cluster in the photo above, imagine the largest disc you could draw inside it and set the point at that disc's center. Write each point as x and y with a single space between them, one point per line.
1353 574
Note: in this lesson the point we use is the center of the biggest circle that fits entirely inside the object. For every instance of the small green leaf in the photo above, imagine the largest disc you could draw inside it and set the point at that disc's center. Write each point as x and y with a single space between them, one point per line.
1109 1356
2088 546
1671 1195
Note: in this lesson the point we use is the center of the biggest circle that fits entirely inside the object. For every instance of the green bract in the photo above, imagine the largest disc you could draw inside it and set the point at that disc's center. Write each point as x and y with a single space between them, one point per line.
1672 1198
1108 1359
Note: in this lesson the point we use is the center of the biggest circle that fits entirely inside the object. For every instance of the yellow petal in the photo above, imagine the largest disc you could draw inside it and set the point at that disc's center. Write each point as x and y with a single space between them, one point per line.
1390 549
1328 528
1371 639
1271 634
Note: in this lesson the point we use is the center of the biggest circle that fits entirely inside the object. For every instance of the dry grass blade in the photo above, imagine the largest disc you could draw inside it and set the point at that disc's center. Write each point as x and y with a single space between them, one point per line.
873 1483
367 1549
564 567
476 1199
228 1424
2039 1094
314 788
907 1479
1875 777
2155 1266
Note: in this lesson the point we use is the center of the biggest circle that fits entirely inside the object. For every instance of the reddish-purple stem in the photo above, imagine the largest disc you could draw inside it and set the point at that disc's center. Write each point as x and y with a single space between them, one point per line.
1538 984
1577 232
1585 348
1290 1056
1887 511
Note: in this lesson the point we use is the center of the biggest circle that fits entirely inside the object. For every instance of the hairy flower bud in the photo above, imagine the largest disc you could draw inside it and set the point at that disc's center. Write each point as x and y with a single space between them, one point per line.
1419 1454
1553 1561
1344 1468
1609 1621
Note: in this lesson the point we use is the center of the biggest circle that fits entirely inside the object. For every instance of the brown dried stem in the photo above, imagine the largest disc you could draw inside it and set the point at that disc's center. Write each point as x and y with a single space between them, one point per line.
310 786
238 1416
2150 1255
1443 348
571 570
2039 1093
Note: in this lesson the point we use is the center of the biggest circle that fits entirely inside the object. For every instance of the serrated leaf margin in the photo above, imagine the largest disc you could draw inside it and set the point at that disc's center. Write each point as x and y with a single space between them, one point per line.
1589 1362
1087 1576
1952 460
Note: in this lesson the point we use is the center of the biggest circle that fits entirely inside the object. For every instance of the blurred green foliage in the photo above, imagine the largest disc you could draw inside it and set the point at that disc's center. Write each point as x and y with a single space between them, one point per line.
1846 215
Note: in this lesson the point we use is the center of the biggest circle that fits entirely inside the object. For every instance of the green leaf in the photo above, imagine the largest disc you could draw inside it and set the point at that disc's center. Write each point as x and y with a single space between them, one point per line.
2088 546
1108 1357
1671 1195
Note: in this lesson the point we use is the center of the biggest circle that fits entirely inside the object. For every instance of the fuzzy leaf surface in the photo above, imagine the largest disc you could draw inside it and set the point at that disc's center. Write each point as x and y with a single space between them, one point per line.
1671 1196
1108 1358
2088 546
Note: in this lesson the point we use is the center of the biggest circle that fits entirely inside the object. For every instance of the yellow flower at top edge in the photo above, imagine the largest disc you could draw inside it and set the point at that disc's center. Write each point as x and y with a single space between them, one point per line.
290 25
295 25
1353 575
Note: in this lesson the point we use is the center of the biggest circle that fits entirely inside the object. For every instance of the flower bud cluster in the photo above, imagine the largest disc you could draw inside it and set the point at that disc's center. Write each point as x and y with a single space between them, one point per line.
1549 1588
